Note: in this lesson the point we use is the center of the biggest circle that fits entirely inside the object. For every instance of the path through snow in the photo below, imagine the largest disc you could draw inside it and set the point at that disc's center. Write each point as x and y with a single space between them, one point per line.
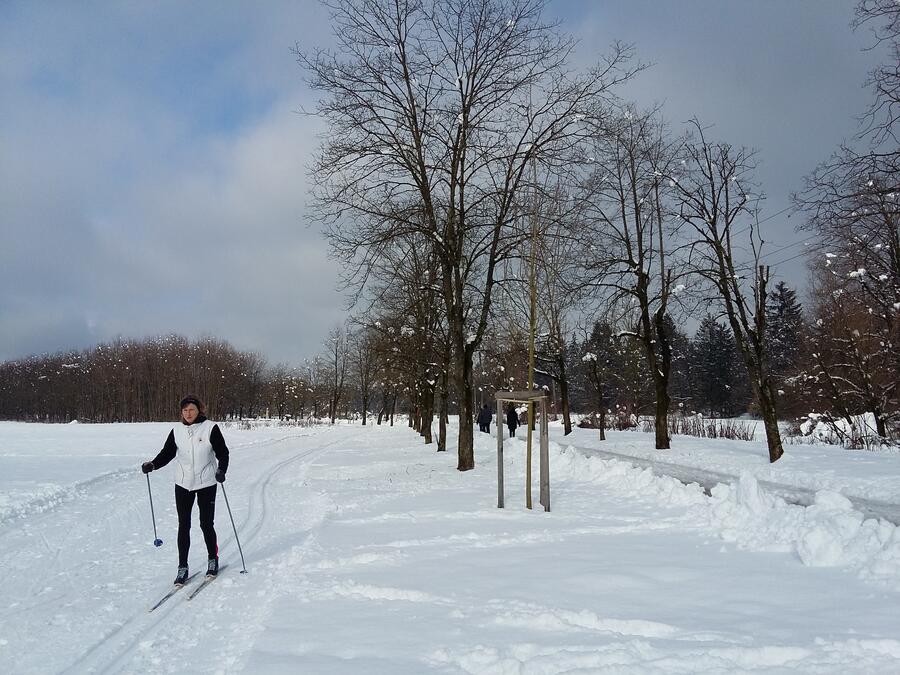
369 553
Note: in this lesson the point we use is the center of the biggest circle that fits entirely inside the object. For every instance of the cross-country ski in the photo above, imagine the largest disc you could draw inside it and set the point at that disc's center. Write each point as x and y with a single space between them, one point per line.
175 588
206 581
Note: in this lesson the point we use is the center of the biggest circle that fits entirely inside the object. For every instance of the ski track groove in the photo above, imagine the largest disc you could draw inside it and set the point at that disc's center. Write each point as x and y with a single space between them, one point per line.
141 625
259 492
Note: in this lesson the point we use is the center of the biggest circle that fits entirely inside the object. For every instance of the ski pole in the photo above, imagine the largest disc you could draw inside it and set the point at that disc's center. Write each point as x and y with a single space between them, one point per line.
156 540
243 571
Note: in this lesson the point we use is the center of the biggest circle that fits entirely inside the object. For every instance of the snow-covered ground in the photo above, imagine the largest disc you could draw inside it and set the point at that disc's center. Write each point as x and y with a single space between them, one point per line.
868 474
369 553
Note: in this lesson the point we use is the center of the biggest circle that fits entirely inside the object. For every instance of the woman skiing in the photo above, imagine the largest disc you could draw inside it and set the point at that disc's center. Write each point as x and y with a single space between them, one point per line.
201 458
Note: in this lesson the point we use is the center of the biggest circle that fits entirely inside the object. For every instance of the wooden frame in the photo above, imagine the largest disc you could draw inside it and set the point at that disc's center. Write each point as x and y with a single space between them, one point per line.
530 398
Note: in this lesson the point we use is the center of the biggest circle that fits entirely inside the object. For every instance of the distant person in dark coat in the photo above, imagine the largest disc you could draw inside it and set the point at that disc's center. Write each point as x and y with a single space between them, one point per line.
484 419
512 420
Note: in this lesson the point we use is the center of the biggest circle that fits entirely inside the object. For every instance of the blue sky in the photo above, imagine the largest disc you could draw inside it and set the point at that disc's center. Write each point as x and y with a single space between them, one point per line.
153 169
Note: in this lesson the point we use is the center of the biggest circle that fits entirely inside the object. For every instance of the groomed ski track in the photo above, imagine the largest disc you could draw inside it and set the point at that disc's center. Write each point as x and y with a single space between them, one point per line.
46 561
357 540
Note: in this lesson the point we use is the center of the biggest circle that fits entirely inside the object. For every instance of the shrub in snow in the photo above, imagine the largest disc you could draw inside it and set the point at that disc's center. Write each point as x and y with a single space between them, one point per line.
859 431
696 425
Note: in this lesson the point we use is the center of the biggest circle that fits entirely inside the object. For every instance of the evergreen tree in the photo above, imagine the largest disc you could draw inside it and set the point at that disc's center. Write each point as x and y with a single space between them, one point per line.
715 368
680 379
784 319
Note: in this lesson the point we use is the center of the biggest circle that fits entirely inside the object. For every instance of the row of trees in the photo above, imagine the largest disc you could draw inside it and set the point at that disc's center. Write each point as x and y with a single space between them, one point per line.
131 380
458 130
469 171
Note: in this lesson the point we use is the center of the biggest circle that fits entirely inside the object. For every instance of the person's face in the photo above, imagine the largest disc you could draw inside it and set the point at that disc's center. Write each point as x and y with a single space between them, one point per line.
190 413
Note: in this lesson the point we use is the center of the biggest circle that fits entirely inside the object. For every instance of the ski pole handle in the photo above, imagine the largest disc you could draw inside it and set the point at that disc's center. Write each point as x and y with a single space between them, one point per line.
156 540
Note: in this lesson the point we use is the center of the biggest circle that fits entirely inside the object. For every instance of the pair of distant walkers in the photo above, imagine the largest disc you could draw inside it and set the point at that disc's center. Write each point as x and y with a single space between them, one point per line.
485 416
201 460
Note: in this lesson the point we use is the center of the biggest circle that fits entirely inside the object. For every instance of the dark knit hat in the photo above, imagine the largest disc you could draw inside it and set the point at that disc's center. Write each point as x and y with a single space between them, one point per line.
190 398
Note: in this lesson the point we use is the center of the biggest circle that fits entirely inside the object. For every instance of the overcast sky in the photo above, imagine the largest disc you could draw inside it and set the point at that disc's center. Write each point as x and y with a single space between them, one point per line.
153 170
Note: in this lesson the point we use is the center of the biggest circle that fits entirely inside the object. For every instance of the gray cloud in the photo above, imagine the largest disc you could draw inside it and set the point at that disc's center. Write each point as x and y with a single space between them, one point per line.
152 177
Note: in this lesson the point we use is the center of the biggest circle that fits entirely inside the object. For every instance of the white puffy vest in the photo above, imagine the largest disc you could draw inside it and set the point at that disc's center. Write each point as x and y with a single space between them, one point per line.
195 461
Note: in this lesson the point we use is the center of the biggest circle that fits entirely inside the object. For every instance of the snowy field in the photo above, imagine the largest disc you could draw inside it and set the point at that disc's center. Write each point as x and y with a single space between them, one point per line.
369 553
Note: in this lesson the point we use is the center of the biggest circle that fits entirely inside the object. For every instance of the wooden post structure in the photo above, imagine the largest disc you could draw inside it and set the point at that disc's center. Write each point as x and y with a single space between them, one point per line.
532 398
500 426
545 457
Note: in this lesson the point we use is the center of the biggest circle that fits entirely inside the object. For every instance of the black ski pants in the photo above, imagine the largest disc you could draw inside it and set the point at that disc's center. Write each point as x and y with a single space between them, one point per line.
184 504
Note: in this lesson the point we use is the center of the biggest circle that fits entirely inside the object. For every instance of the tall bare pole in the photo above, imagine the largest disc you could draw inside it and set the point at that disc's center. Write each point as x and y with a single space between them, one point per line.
532 320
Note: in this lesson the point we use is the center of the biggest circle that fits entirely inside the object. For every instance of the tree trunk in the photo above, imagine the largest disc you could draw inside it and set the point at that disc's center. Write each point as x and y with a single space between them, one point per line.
464 390
383 412
427 415
766 400
564 393
602 421
660 366
880 424
567 414
443 414
662 414
365 407
661 409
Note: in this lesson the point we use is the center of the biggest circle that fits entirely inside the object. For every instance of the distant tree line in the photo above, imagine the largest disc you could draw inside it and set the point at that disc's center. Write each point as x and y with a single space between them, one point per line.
131 380
372 370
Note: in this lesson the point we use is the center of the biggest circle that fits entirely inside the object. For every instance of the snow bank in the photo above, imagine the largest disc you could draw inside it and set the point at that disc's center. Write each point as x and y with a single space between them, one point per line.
829 533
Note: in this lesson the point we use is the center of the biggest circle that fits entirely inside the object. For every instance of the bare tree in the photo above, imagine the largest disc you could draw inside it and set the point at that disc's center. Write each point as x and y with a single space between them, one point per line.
434 111
629 256
851 204
551 251
881 119
715 198
365 365
337 354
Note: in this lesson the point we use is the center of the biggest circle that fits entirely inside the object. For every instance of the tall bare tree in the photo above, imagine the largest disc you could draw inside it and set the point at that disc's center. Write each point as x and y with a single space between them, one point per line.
363 356
852 204
434 111
880 123
629 257
338 356
716 200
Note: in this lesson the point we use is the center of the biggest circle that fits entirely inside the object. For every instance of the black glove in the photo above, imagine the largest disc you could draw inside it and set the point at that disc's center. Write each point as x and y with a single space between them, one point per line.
147 467
220 476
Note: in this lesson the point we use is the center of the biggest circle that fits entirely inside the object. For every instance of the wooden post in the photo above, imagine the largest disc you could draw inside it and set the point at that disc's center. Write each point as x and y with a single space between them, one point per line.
545 457
528 447
499 455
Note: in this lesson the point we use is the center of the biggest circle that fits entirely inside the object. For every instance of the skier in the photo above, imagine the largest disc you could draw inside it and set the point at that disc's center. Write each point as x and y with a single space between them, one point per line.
512 420
201 458
484 419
